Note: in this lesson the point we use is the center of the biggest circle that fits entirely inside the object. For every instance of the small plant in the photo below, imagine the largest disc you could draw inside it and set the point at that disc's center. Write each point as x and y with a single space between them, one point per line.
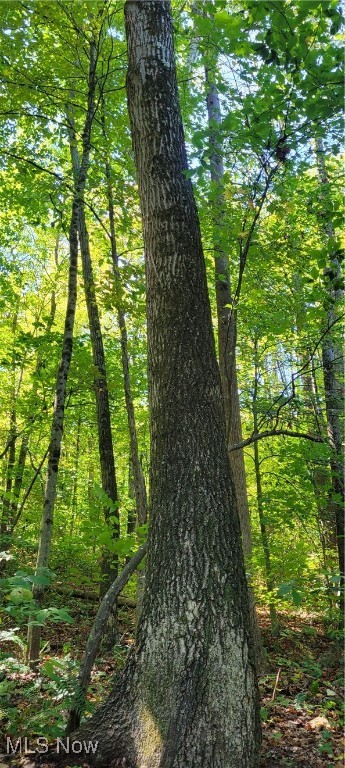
325 743
40 695
23 609
289 590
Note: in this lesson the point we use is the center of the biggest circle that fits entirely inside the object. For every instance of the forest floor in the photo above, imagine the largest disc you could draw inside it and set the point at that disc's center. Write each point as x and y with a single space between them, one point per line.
301 689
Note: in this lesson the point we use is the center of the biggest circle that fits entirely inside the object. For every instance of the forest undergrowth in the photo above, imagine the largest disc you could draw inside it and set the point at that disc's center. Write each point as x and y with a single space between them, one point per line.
301 687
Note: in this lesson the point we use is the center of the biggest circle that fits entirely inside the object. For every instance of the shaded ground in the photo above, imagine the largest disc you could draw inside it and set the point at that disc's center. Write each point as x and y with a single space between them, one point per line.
302 696
301 690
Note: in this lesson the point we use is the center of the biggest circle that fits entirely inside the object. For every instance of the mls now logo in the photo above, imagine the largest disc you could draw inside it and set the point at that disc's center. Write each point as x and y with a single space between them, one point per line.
40 745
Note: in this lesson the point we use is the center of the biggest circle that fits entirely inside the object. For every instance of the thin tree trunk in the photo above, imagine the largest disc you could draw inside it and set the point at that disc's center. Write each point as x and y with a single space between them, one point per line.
18 480
135 465
263 529
6 516
34 633
26 495
90 486
138 475
332 359
74 499
226 315
188 694
11 459
109 563
319 470
132 515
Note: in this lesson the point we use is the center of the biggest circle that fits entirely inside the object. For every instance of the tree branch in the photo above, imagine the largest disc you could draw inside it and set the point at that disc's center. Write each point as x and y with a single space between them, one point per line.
274 433
95 637
28 491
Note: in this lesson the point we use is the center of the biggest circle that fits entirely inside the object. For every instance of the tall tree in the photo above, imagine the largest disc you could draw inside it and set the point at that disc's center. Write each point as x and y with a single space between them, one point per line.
333 369
226 319
188 695
57 426
105 438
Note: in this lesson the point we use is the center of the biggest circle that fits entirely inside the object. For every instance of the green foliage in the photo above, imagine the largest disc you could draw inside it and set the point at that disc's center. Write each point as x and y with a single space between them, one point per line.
290 590
277 68
40 694
21 607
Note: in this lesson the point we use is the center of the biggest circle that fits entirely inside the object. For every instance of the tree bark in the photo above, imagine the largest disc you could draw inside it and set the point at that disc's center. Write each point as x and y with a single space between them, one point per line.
188 695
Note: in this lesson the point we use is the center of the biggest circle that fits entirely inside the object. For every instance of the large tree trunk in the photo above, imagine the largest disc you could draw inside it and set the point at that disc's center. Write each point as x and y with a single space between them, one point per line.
34 633
333 367
226 315
188 695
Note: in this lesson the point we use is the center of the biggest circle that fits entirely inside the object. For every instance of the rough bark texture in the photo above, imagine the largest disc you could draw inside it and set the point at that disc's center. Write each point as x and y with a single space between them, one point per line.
188 696
333 372
226 315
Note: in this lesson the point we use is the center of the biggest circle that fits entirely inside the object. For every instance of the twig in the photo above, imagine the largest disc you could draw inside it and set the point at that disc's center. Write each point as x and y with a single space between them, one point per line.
276 683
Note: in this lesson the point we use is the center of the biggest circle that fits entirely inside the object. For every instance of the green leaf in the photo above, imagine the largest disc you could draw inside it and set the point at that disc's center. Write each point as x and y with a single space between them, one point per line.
19 595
